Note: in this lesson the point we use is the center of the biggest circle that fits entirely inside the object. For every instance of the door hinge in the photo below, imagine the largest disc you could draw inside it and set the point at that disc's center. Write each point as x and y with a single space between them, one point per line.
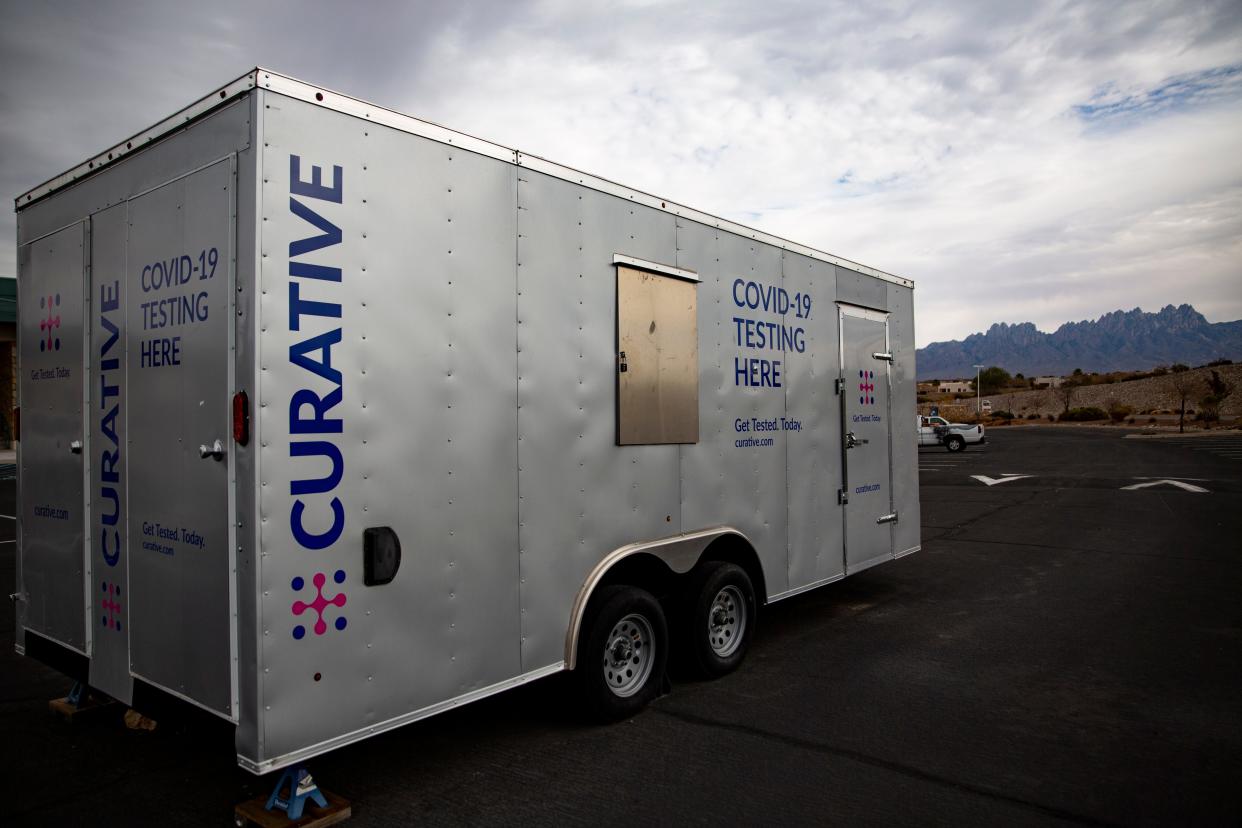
837 385
887 518
843 497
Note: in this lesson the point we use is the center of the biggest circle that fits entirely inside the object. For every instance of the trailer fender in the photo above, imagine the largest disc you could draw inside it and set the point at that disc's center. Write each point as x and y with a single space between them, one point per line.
679 552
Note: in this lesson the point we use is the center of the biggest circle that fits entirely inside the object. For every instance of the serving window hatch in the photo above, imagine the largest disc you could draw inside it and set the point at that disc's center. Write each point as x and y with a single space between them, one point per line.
657 354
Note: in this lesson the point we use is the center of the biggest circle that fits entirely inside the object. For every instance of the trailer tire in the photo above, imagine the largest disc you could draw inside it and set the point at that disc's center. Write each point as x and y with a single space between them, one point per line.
624 655
717 619
955 442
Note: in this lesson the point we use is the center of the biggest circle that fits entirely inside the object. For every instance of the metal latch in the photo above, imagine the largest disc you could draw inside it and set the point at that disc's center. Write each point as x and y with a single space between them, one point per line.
851 441
838 385
843 497
18 597
887 518
622 367
883 356
75 447
215 451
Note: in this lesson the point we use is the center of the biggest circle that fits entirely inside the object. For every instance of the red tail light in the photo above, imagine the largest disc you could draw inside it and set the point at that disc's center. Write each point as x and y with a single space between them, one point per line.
241 418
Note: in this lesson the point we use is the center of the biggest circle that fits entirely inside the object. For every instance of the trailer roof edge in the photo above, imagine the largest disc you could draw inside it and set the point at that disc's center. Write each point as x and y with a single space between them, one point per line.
213 100
347 104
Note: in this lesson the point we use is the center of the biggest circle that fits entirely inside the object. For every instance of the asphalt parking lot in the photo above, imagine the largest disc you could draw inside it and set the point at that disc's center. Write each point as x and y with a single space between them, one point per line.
1067 648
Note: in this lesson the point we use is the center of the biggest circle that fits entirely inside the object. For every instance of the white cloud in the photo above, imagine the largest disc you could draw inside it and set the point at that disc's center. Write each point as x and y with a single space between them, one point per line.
938 141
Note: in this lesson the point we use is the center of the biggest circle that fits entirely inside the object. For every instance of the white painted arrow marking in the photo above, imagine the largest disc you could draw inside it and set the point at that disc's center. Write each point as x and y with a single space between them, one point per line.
1179 484
988 481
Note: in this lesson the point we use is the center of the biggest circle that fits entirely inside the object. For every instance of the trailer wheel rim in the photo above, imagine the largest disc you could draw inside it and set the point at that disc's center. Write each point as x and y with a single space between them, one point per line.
629 653
726 621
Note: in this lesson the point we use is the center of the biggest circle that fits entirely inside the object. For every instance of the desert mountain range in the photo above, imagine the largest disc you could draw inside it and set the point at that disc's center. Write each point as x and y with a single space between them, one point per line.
1117 341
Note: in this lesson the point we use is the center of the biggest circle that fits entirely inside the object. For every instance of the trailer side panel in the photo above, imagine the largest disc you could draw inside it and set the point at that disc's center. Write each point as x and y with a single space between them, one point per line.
581 496
816 538
388 401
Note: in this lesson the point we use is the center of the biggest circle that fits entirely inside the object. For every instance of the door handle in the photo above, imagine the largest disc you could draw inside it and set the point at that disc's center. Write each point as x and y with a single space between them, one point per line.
75 447
851 441
215 451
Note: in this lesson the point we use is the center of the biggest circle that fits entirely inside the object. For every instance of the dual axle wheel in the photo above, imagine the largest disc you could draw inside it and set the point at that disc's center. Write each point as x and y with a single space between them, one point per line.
627 641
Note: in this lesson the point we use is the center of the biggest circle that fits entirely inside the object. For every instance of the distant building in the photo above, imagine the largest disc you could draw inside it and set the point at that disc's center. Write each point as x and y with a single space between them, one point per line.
955 387
1047 382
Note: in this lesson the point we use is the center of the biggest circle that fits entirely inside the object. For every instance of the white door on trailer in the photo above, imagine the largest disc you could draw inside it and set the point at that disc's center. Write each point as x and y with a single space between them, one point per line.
866 435
51 560
179 283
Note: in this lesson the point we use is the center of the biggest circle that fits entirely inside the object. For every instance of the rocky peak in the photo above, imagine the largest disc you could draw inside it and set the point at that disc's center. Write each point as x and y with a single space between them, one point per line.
1119 340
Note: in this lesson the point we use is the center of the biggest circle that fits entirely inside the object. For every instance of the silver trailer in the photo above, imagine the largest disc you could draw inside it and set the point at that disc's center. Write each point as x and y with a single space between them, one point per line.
334 419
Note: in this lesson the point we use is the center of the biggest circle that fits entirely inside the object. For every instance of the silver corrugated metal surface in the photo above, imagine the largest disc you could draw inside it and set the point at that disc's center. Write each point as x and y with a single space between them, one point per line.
191 146
581 495
906 536
108 547
177 300
420 324
858 289
50 275
816 537
736 475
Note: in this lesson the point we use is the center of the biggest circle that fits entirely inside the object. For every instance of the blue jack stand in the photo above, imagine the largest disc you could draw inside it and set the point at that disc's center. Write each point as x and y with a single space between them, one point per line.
301 788
80 702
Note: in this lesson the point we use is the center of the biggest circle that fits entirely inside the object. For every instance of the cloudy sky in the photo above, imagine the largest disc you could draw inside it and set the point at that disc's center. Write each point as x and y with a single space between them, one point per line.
1043 161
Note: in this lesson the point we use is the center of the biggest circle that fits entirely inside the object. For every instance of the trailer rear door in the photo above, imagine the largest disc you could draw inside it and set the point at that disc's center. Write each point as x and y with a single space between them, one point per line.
178 288
867 433
52 555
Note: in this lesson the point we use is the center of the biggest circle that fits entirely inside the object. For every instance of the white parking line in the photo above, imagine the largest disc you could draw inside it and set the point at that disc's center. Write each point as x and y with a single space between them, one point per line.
993 481
1179 484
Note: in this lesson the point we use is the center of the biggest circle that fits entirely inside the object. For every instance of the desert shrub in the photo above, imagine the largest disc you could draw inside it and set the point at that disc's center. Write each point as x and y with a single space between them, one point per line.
1080 415
1052 418
1117 411
1002 415
1151 420
1032 416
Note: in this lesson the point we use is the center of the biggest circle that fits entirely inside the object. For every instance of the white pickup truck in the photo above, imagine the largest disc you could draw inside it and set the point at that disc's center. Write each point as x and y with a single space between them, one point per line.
935 431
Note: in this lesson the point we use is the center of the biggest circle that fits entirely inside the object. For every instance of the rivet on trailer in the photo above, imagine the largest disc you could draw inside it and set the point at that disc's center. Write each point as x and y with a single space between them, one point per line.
373 419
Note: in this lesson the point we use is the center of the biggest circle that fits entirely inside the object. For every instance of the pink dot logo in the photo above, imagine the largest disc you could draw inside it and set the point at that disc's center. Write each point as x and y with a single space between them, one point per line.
111 606
49 342
866 386
321 603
